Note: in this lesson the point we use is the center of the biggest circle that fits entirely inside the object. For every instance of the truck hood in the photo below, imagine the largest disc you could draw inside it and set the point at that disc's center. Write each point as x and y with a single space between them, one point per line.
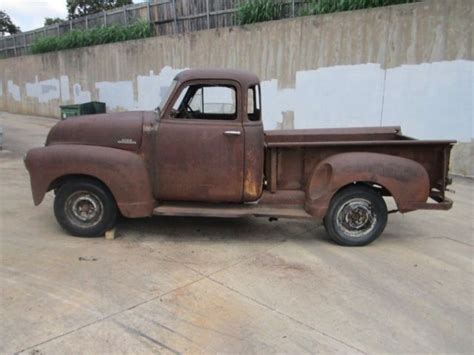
121 130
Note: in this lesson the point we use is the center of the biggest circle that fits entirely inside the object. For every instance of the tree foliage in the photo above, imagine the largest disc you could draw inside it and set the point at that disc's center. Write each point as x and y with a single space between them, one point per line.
6 24
78 8
48 21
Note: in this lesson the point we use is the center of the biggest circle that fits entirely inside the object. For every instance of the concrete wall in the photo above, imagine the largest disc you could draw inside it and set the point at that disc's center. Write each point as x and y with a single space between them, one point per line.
409 65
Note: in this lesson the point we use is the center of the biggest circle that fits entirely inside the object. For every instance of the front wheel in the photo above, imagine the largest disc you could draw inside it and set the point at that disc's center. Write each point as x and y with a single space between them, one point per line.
357 215
85 208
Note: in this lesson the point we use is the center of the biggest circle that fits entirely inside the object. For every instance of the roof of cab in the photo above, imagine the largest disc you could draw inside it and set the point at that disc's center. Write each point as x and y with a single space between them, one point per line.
244 77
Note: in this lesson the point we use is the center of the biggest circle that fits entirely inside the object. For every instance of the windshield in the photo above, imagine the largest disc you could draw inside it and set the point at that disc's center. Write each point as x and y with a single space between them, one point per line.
167 95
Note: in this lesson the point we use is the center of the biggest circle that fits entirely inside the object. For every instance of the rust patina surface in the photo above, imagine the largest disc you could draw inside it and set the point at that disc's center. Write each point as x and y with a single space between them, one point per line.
154 162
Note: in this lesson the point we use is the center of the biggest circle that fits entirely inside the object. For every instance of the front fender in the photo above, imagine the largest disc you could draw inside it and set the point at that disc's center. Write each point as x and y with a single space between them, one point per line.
406 180
123 172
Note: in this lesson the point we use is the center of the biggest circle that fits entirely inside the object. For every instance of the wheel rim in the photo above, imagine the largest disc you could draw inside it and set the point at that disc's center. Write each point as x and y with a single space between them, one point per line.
356 218
84 208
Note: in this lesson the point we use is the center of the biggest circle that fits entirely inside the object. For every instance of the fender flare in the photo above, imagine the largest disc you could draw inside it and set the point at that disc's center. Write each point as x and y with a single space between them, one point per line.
123 172
405 179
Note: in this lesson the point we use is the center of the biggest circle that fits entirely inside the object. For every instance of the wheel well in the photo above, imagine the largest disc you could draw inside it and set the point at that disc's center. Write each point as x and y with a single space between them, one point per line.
57 183
382 190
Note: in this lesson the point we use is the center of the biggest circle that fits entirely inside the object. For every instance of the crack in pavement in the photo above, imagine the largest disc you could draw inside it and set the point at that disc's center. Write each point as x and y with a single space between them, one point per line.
451 239
208 276
107 317
137 332
287 316
203 276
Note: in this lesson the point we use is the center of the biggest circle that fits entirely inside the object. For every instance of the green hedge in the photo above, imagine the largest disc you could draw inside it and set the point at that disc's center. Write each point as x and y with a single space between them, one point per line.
98 35
252 11
327 6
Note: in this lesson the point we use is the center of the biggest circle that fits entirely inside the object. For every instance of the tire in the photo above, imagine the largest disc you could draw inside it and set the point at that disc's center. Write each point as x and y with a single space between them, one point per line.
357 215
85 208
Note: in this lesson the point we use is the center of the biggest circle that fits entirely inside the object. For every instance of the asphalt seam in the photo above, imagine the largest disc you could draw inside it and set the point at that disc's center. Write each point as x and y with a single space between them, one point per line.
453 240
274 309
287 316
204 276
264 304
108 316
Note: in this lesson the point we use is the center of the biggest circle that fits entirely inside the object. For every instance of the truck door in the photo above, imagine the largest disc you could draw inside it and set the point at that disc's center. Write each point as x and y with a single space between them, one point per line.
199 153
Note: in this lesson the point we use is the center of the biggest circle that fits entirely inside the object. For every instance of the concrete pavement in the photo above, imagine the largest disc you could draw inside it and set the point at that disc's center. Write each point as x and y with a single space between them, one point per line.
192 285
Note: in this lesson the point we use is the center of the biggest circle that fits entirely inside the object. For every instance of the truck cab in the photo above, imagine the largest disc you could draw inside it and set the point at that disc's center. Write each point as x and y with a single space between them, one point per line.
214 124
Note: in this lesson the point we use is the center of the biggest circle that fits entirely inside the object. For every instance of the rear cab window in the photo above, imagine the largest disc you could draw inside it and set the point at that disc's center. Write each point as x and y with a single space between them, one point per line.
253 103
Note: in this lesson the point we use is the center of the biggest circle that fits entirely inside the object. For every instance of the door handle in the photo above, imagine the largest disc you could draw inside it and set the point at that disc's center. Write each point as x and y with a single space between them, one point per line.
232 133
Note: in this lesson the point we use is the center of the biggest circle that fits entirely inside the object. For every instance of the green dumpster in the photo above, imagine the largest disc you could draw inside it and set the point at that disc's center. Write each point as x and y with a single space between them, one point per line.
87 108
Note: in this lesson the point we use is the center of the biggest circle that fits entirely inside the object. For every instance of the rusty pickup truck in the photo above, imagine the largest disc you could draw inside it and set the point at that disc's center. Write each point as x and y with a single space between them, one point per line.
204 152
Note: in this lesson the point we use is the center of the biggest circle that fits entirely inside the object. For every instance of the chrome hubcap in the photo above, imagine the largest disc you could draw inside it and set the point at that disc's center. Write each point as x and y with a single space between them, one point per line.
84 208
356 217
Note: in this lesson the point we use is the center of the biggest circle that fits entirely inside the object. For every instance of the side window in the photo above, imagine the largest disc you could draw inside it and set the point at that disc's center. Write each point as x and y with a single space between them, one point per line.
208 102
196 104
253 103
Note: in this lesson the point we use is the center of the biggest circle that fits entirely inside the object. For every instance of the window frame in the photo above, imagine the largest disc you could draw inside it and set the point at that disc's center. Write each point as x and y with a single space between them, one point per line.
235 85
257 103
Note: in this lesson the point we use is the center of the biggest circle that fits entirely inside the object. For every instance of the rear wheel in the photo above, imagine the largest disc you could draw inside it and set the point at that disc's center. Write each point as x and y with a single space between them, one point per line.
85 208
357 215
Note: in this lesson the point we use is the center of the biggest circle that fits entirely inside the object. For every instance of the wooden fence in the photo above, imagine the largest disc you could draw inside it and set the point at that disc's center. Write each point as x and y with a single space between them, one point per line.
167 16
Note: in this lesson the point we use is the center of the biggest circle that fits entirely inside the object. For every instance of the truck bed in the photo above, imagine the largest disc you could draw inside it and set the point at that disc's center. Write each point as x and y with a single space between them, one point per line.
291 155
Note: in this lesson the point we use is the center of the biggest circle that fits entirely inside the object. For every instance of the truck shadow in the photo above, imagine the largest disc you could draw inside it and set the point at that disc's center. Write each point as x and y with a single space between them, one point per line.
183 229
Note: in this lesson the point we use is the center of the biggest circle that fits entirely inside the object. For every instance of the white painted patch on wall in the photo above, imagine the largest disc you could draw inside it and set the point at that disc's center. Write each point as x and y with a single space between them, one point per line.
116 95
429 101
80 96
64 82
13 90
44 91
153 88
275 102
341 96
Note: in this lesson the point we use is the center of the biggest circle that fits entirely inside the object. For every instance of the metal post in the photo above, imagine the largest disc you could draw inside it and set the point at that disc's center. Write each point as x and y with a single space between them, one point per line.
87 22
292 8
148 11
24 42
105 18
14 45
175 18
57 29
125 15
207 15
70 25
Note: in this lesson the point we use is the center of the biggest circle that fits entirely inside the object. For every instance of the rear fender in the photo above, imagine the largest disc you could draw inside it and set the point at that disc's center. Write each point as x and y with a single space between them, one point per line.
406 180
123 172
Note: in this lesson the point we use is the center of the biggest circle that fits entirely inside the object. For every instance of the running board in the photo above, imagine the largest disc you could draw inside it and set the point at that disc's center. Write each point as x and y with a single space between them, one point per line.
229 210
